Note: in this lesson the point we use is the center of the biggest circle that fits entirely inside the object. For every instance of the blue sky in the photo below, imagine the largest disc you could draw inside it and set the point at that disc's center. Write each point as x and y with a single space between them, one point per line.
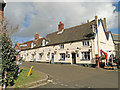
116 5
26 21
115 30
44 17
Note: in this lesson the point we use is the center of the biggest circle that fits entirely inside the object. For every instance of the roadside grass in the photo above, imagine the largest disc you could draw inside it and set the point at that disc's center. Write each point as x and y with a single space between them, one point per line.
24 79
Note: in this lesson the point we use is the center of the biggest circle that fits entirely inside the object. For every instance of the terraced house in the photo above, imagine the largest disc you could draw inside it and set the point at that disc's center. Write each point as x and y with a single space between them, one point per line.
74 45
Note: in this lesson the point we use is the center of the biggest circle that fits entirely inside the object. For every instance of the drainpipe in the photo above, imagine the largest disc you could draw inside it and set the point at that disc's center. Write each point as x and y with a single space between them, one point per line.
91 53
98 43
98 49
71 58
97 34
97 40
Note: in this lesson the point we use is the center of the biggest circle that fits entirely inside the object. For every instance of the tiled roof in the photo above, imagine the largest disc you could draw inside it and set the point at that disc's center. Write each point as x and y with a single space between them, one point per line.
116 37
28 42
38 43
76 33
80 32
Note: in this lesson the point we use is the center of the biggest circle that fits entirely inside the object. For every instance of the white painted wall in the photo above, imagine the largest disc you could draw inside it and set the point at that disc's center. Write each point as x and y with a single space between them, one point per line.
104 43
71 46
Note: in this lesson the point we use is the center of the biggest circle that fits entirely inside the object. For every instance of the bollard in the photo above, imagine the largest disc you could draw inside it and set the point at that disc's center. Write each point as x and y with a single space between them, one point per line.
97 60
29 73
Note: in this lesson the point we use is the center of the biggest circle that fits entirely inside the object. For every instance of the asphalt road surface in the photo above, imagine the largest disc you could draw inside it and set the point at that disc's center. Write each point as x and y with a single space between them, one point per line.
76 76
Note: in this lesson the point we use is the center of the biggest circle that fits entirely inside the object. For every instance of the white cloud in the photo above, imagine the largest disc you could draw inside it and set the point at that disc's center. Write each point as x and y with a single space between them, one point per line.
62 0
49 14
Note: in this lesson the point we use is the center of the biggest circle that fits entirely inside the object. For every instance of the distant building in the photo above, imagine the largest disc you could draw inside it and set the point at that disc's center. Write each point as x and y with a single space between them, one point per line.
116 38
27 45
75 45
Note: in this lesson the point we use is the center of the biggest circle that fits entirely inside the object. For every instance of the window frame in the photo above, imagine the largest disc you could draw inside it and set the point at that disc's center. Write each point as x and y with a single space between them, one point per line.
40 56
48 58
86 43
32 56
85 56
61 46
62 56
32 45
43 42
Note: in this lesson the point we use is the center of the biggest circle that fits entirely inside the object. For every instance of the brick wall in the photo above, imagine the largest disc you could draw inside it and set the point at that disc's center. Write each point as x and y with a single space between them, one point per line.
1 11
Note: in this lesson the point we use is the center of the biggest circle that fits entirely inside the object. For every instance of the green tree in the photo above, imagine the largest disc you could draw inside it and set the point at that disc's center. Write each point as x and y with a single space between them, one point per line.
8 60
7 53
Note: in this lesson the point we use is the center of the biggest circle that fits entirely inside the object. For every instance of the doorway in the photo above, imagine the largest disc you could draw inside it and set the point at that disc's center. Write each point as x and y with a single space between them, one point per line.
52 58
73 58
33 58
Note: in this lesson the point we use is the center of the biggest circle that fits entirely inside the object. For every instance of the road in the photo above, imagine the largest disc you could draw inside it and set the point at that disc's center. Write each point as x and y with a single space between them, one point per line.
76 76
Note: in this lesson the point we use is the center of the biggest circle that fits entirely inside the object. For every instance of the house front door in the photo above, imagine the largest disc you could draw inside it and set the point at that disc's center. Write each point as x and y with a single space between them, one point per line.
52 58
33 58
73 58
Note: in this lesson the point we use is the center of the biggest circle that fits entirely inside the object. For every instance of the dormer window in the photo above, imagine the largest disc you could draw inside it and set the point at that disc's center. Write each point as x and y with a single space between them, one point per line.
61 46
32 45
43 42
85 43
93 27
47 42
60 32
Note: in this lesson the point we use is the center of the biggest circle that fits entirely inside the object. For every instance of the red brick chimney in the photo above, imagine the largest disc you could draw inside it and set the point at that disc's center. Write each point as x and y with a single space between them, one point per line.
105 26
36 35
60 26
2 5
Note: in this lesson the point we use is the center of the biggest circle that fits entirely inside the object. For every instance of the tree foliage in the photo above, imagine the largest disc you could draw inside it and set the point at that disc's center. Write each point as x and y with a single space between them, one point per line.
8 60
8 55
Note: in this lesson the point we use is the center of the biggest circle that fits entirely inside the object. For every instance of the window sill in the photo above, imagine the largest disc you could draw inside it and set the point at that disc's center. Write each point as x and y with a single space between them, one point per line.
61 59
86 46
60 48
84 60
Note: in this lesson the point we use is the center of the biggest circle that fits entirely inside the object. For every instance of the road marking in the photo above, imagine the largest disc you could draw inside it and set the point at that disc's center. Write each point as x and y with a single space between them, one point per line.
66 85
62 84
50 81
76 85
54 83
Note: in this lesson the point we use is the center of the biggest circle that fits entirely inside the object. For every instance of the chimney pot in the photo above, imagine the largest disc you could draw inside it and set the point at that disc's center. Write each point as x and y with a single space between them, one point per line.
96 18
105 26
60 26
36 32
36 35
87 21
60 22
104 18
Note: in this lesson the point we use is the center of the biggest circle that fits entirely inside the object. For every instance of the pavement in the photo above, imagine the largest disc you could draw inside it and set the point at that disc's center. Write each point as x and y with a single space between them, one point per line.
75 76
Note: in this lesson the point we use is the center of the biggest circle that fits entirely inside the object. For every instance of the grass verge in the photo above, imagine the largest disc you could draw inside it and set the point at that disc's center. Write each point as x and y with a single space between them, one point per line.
23 79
